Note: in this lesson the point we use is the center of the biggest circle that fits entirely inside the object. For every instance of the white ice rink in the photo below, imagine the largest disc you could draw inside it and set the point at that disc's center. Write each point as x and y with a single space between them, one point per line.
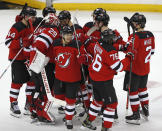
154 24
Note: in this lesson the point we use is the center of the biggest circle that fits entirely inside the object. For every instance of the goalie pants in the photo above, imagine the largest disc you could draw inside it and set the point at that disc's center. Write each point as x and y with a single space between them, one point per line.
104 94
138 90
39 94
67 91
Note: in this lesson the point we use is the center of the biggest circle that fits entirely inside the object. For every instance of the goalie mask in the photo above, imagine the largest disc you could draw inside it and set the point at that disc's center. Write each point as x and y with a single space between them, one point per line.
52 20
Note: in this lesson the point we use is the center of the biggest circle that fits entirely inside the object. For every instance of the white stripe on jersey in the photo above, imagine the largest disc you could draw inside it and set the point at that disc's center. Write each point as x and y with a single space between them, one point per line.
115 64
48 37
120 68
43 40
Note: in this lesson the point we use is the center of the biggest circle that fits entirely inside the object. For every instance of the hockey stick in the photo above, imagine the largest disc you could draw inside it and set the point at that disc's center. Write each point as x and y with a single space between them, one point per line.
11 62
83 73
48 91
24 7
130 73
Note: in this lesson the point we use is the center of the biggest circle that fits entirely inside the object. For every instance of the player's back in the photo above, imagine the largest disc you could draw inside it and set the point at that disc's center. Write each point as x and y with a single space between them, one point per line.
105 56
144 44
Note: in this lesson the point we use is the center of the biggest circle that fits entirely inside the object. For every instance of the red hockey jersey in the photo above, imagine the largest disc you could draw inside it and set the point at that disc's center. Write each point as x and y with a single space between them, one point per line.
67 67
144 44
14 40
90 30
44 41
105 62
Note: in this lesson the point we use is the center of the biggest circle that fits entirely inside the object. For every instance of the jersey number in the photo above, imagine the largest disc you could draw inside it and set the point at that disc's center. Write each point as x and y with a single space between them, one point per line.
97 63
52 32
147 59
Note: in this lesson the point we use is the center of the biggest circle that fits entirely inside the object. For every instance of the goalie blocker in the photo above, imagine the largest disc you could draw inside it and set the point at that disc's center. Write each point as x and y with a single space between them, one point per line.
39 62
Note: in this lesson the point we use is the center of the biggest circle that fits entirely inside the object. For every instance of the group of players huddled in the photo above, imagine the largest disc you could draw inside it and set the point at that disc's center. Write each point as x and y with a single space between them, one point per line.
75 59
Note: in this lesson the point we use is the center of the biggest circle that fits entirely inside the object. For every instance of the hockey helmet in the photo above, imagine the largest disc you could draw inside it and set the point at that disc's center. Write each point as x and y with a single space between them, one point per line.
139 19
98 11
66 30
30 11
64 15
47 10
104 17
108 36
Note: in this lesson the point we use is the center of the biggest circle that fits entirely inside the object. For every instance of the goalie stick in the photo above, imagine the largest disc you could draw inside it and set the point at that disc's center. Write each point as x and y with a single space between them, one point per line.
130 73
48 91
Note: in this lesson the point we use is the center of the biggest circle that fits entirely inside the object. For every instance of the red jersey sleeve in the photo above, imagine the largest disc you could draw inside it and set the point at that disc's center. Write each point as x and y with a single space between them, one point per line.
45 39
13 39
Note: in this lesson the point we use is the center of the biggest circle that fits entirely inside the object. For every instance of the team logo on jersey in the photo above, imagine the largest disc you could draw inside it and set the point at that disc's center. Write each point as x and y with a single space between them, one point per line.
63 59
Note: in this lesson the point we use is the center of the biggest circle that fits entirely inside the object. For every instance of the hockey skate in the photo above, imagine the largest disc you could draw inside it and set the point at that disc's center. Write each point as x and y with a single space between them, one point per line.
116 117
15 111
69 124
134 118
104 129
145 112
88 124
27 109
42 121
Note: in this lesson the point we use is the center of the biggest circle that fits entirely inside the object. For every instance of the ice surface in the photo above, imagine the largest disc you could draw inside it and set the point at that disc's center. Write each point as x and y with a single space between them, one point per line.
154 24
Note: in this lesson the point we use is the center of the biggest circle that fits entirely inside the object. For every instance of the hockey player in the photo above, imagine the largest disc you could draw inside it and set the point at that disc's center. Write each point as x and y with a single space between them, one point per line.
68 71
101 21
43 45
65 19
91 28
144 45
17 38
104 66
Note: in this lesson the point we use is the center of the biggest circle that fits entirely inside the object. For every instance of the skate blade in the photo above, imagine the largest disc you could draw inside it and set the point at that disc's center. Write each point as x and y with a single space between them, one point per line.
16 115
61 112
27 113
135 122
83 128
116 121
33 121
145 117
38 123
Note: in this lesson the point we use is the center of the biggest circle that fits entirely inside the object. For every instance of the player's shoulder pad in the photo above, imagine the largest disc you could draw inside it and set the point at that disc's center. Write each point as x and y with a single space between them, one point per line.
144 34
19 26
57 42
107 47
77 26
89 24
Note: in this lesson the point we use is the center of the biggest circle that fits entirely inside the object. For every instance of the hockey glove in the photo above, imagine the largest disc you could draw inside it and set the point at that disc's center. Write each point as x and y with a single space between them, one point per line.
18 18
27 41
82 59
131 54
124 47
